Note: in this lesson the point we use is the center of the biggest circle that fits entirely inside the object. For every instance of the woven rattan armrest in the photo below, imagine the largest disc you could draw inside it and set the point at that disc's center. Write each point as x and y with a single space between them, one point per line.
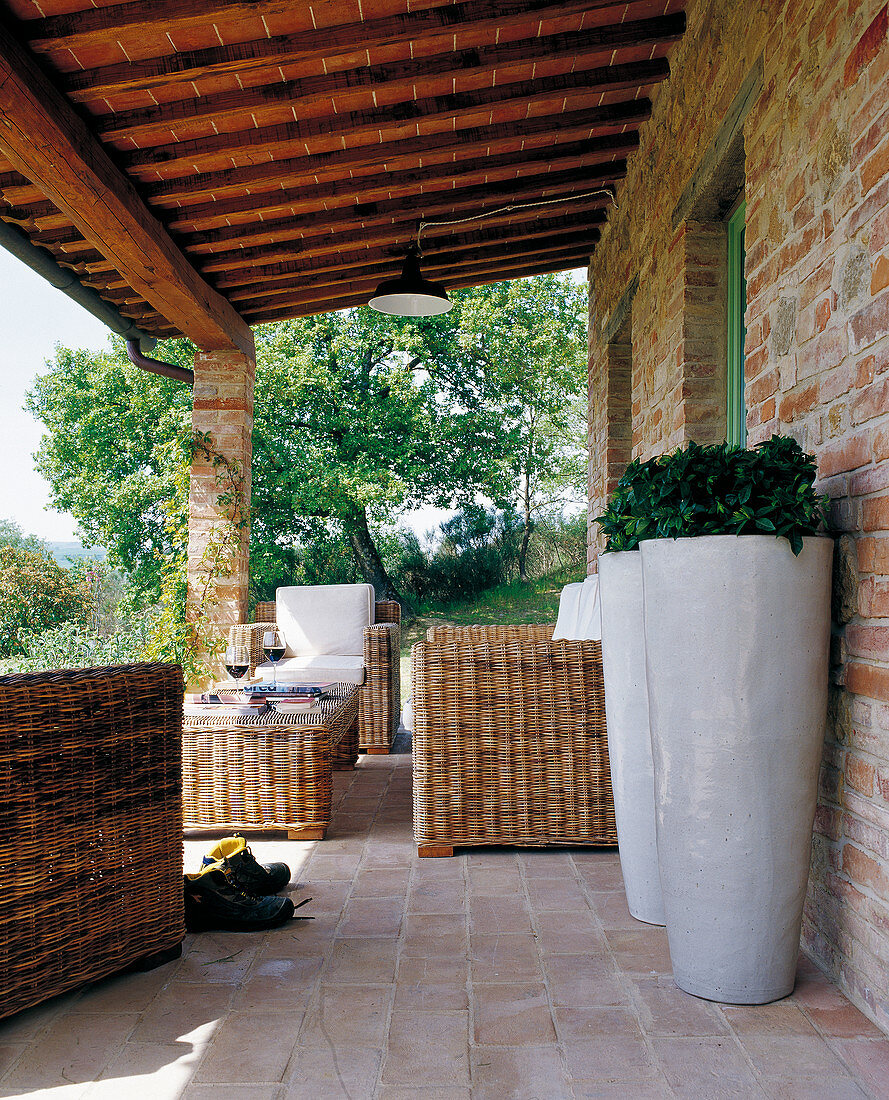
509 742
516 632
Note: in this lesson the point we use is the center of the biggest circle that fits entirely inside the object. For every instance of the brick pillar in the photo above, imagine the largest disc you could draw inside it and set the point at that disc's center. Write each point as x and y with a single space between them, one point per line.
223 409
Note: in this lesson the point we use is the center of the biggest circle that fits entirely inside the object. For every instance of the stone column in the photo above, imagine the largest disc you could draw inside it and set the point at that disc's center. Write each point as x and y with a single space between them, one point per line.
218 548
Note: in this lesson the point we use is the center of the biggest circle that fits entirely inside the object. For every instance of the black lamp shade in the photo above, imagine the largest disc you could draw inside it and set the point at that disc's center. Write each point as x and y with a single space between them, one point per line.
410 295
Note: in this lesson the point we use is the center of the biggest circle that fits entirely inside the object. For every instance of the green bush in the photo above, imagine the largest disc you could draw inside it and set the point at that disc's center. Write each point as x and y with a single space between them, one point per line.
36 593
716 490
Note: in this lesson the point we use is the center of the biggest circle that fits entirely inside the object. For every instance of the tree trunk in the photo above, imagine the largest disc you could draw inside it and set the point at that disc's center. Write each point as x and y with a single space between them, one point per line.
526 532
367 556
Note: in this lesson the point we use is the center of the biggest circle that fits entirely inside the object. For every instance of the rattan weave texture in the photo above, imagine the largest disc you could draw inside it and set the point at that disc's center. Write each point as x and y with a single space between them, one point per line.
509 739
379 705
267 771
90 825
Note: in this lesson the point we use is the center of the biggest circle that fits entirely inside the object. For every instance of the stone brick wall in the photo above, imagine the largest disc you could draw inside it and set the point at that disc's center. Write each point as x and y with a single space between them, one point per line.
816 143
223 407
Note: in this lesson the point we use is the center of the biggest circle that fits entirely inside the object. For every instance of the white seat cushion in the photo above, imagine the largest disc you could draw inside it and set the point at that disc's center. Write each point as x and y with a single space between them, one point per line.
324 618
580 617
315 670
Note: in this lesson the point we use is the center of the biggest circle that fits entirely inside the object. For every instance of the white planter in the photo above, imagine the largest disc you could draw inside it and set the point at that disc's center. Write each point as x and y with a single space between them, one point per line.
629 741
737 632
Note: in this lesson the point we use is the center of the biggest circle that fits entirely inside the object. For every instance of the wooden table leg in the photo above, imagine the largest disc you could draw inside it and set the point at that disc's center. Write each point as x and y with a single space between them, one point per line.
426 851
312 833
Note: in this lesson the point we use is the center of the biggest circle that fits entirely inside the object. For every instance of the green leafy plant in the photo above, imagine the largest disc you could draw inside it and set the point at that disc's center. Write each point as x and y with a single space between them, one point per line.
717 490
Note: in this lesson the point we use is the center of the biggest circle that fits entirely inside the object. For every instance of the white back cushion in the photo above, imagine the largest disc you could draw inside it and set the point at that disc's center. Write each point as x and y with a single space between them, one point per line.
580 617
324 618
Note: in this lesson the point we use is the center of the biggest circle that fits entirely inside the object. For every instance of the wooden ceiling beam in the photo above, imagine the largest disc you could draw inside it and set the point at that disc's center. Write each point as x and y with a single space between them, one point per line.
328 255
76 174
437 265
447 202
382 188
390 234
96 25
326 44
312 168
349 300
531 95
404 77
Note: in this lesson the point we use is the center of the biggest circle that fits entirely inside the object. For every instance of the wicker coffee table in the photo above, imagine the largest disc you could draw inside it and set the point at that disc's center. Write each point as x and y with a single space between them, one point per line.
268 771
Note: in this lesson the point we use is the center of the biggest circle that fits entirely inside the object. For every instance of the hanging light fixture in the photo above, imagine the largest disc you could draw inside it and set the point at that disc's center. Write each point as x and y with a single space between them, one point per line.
410 295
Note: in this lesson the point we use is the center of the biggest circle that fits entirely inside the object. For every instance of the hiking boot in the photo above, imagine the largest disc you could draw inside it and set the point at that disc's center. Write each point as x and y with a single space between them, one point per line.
215 901
255 878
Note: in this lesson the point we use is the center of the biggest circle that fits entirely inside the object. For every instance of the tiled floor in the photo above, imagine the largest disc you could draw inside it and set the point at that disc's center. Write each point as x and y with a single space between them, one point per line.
490 975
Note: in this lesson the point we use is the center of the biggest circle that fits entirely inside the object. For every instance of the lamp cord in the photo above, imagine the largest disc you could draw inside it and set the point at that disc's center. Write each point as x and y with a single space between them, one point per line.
517 206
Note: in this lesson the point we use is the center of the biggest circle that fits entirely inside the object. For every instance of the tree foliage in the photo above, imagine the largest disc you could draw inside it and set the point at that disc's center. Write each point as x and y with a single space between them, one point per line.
35 593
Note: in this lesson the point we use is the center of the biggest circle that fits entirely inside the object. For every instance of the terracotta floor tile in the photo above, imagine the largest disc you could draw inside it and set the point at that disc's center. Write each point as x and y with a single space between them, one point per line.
332 868
437 983
780 1018
664 1009
561 895
546 863
372 917
583 980
427 1048
146 1071
711 1066
347 1016
868 1060
512 1015
250 1047
504 957
74 1050
282 983
508 914
231 1092
332 1074
786 1055
378 883
519 1073
408 1092
494 881
126 992
439 934
603 1043
845 1022
185 1011
569 933
641 951
437 897
9 1052
611 909
361 961
599 872
633 1088
824 1088
219 957
27 1024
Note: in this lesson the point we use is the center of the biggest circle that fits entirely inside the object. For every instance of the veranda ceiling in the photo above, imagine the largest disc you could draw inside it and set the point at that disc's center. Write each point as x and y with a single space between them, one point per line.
205 165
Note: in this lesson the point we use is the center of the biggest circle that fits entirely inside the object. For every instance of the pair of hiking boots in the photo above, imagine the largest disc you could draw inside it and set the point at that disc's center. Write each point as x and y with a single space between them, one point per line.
234 893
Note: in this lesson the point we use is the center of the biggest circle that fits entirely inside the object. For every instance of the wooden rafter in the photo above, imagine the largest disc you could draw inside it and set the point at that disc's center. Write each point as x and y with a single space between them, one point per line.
77 175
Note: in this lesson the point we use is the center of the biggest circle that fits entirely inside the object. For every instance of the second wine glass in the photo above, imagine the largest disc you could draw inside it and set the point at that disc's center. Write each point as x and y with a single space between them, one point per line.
273 646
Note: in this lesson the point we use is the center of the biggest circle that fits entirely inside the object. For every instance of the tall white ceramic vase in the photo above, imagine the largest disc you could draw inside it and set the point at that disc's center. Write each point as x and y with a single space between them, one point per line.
629 741
737 632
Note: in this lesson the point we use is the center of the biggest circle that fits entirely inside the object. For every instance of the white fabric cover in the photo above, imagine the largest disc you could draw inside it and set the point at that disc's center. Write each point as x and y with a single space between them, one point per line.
315 670
324 618
580 617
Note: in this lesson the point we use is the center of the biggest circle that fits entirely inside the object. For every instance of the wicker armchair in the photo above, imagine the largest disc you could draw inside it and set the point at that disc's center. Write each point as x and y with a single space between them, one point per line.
90 826
379 706
509 740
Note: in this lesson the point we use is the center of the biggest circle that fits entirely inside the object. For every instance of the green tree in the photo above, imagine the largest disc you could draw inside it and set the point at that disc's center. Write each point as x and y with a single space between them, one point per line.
12 535
113 453
35 594
521 347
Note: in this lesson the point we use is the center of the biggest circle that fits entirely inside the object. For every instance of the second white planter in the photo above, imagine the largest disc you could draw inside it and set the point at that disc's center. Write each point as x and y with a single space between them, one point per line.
736 633
629 741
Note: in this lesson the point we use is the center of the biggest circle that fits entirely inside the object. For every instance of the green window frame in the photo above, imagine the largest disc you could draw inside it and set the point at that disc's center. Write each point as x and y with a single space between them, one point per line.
735 409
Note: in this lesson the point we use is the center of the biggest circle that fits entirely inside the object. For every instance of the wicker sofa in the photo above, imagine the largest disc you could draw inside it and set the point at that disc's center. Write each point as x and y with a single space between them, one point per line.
379 705
90 826
509 740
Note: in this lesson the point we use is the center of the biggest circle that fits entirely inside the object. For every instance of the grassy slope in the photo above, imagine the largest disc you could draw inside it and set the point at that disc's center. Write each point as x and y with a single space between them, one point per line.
531 602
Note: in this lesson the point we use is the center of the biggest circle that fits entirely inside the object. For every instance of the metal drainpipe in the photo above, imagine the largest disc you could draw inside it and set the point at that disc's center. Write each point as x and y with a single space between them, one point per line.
39 260
158 366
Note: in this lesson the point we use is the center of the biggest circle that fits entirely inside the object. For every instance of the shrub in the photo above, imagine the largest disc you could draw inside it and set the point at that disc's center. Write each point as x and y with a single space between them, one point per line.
716 490
36 593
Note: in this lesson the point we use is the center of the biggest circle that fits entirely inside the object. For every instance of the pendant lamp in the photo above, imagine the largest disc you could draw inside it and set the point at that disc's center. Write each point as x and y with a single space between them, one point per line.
410 295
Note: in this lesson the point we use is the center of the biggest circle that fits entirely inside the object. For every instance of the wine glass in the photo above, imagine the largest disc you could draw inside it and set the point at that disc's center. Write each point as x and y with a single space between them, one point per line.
273 645
237 661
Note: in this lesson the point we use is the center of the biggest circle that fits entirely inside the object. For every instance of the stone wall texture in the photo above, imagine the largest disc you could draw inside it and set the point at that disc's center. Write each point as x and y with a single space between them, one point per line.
816 183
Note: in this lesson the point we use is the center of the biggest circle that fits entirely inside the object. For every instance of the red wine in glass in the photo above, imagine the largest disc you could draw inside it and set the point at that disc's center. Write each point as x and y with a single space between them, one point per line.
273 646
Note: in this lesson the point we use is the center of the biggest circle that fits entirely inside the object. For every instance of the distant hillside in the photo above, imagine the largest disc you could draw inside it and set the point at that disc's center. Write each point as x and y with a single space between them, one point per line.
66 553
